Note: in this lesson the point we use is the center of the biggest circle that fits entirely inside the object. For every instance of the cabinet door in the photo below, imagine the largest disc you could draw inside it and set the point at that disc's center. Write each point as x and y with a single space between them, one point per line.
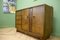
38 20
25 19
18 20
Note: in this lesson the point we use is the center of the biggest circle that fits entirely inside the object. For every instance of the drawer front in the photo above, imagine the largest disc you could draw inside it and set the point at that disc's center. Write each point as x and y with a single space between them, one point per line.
25 27
18 27
18 13
18 17
18 22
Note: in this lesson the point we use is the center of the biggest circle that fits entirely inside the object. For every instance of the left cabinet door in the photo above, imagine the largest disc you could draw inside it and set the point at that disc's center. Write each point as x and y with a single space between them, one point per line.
18 20
25 20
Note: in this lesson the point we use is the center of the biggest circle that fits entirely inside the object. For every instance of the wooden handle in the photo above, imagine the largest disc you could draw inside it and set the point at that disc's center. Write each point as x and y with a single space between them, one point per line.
33 16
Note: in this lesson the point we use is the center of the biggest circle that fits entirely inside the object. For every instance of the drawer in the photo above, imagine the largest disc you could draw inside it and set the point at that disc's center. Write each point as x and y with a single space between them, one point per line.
18 22
25 27
18 27
18 17
18 13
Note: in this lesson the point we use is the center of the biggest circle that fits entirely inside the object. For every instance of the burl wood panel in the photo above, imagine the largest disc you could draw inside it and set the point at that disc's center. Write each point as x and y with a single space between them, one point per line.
25 19
38 20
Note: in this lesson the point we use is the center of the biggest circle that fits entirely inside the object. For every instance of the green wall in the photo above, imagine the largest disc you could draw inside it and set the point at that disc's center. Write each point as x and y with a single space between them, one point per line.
6 19
21 4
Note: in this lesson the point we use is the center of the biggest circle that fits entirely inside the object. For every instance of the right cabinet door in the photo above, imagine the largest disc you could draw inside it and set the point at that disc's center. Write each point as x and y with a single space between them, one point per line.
38 20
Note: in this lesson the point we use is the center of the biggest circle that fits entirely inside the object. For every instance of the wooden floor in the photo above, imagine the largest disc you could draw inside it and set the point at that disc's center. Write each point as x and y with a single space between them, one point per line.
11 34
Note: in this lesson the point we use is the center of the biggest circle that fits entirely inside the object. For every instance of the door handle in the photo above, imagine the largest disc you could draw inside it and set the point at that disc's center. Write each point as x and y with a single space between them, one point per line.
33 16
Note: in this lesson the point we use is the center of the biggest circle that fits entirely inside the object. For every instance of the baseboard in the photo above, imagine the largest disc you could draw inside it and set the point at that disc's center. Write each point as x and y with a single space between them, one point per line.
6 27
8 30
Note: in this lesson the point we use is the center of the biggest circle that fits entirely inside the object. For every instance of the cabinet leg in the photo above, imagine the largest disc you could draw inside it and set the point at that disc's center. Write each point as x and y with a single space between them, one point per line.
43 39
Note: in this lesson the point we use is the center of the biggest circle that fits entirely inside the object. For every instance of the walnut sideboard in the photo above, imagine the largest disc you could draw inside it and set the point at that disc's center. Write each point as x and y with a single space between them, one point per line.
35 21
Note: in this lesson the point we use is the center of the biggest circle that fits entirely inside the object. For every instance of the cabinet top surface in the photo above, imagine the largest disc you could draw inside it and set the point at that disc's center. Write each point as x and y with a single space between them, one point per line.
33 7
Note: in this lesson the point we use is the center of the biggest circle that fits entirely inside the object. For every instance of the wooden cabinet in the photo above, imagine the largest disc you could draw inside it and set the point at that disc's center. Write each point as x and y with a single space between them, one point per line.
35 21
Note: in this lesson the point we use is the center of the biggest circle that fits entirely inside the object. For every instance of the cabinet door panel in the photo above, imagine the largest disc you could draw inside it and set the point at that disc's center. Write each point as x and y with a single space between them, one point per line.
25 19
38 20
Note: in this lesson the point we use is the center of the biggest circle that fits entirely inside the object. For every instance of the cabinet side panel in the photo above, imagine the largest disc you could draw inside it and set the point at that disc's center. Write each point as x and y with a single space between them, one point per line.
48 20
